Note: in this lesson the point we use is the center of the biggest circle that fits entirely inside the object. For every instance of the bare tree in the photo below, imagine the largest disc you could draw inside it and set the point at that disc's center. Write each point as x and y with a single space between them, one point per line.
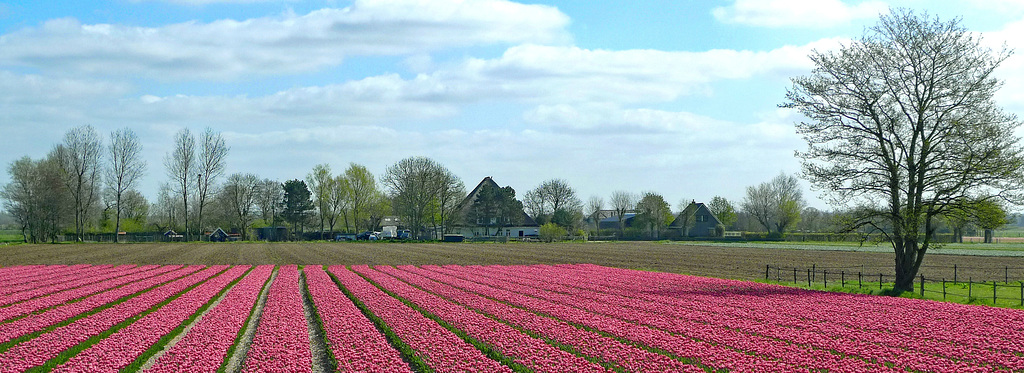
594 206
124 170
181 165
687 207
775 204
36 199
79 158
164 212
623 202
320 182
212 155
418 187
904 122
552 196
241 191
269 199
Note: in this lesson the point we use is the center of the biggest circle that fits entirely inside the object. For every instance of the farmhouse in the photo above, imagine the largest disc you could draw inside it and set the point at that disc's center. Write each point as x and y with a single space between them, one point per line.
527 227
696 220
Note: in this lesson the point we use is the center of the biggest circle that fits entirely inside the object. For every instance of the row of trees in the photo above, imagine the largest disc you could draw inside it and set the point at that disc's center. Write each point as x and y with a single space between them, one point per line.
68 185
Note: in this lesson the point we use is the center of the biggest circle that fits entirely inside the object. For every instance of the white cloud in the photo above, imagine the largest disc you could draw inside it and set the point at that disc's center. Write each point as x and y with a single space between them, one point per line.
289 43
797 13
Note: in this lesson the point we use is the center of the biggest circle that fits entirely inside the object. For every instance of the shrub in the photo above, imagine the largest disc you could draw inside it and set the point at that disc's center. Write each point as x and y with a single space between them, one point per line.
550 232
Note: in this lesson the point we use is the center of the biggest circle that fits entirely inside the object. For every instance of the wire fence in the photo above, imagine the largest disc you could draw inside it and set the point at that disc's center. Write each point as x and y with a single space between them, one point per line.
1000 287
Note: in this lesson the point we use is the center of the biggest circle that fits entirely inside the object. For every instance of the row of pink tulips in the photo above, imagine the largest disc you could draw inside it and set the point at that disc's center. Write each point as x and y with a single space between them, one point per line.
713 355
62 297
520 347
139 283
281 343
438 347
721 329
839 333
206 345
42 273
49 345
47 278
82 279
588 343
354 340
120 349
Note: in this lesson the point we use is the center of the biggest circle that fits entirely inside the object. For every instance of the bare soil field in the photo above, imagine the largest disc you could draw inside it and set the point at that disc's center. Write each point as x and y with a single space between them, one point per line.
724 262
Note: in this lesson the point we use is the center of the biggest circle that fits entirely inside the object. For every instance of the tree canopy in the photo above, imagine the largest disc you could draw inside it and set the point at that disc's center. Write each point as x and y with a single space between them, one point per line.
902 122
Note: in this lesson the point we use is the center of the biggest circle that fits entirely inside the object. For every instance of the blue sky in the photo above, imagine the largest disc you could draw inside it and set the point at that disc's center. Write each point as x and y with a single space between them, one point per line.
675 97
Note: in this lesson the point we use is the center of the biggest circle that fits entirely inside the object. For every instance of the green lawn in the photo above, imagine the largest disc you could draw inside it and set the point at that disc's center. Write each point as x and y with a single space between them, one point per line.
10 236
1007 295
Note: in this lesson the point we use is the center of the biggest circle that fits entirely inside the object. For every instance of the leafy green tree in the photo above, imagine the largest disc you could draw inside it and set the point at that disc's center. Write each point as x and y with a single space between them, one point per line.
495 207
321 184
297 205
653 213
990 216
904 122
723 210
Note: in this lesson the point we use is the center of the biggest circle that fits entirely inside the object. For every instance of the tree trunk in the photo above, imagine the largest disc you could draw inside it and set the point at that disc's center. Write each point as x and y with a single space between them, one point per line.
907 264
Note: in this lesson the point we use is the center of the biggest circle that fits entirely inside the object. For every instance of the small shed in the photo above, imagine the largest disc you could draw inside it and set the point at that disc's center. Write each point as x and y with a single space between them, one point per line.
218 235
171 235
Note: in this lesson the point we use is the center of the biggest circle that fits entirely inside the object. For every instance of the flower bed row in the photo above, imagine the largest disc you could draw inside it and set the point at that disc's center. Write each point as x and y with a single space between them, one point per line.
82 280
53 316
437 346
746 311
120 349
353 339
281 343
206 346
520 348
39 350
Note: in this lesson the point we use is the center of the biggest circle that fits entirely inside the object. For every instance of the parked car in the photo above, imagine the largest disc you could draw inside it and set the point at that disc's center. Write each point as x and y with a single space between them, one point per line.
368 236
345 237
404 234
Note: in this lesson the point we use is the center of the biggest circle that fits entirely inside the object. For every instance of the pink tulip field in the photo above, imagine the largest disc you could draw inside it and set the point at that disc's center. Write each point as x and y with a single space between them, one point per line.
530 318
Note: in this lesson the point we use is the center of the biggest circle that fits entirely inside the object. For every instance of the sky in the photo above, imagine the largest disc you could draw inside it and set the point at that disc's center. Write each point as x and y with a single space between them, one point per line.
674 97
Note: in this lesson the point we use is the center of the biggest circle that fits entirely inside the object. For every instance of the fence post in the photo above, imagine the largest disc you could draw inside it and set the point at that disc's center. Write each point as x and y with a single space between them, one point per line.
824 277
778 274
767 267
943 288
970 288
954 274
794 275
922 285
842 278
879 281
993 292
860 283
808 278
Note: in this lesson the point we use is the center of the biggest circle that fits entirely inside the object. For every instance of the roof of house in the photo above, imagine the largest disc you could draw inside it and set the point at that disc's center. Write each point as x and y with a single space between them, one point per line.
468 202
692 210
